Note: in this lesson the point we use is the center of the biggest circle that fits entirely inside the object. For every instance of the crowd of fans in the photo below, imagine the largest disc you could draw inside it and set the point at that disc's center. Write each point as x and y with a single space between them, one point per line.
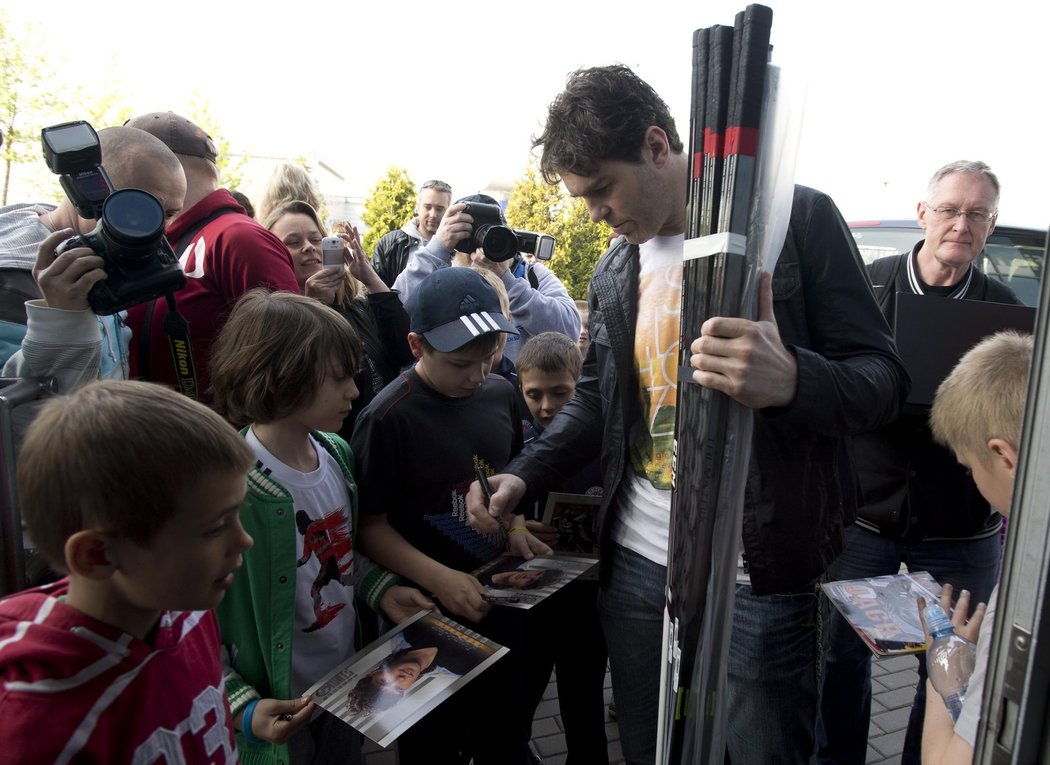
187 610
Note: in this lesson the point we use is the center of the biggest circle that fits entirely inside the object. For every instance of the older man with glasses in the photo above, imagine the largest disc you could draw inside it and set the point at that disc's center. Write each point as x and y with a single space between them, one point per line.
392 250
920 507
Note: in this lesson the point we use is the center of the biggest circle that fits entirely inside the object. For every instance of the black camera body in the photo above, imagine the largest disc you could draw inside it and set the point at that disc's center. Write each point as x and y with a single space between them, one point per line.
498 241
139 263
489 233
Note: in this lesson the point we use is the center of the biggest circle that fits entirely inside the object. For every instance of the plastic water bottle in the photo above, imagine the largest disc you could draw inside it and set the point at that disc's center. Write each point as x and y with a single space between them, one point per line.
950 659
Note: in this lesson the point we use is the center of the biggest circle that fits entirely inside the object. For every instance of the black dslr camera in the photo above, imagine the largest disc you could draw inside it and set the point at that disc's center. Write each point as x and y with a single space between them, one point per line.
488 232
139 263
500 242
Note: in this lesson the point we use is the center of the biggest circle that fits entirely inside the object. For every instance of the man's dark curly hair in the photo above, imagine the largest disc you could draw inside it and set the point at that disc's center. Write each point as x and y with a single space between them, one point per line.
602 114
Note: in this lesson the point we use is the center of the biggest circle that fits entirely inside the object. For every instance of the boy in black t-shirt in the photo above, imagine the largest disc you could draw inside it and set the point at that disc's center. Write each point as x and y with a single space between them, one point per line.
417 446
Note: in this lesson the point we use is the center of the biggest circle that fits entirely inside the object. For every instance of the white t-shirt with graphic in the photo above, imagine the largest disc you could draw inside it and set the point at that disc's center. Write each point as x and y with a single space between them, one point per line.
644 501
324 595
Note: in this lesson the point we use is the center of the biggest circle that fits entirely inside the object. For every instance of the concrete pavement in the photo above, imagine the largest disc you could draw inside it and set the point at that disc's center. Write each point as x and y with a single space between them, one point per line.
892 682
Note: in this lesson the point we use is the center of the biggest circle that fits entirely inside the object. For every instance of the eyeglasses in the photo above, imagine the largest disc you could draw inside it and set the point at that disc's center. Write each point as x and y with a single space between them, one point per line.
439 185
977 217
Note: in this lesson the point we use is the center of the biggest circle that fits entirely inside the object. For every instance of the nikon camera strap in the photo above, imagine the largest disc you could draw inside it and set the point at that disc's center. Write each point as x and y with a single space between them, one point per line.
178 331
176 328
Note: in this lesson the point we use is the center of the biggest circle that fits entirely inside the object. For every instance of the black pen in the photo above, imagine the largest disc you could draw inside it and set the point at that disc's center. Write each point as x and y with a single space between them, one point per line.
486 489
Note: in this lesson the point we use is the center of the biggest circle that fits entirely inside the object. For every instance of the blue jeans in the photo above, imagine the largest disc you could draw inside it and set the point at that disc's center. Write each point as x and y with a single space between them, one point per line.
774 664
631 606
846 705
774 677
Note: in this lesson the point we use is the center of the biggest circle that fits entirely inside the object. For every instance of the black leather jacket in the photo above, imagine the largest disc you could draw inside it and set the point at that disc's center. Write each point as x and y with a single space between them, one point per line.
802 487
391 254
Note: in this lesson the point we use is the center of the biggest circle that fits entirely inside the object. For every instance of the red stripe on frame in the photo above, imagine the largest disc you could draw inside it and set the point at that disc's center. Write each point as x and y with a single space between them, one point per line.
740 140
712 144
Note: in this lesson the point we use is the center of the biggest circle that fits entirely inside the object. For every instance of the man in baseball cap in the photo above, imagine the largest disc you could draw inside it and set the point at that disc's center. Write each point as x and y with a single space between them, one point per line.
180 135
223 252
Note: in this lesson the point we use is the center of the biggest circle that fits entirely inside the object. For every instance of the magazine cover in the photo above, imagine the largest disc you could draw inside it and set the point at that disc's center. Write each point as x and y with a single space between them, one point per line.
883 610
573 516
389 685
518 583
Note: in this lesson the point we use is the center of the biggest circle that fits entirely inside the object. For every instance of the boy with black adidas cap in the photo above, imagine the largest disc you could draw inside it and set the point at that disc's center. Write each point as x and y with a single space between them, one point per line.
417 446
538 300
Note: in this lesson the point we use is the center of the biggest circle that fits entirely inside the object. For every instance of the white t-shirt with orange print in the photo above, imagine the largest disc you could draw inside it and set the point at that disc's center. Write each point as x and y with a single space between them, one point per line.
644 502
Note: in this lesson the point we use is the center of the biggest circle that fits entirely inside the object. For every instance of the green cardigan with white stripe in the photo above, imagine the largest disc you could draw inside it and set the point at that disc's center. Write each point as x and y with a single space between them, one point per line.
257 615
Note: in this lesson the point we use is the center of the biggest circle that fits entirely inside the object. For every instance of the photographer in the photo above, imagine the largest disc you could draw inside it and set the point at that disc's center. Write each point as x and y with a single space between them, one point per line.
539 301
63 338
223 253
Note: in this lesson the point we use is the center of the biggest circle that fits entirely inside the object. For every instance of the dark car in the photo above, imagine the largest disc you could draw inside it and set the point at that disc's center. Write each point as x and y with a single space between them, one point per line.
1012 255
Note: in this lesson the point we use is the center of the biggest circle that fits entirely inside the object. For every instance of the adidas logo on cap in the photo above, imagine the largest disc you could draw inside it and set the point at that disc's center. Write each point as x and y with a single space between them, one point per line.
469 304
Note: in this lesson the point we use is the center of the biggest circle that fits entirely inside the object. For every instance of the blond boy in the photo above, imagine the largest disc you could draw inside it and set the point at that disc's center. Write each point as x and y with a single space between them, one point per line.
977 413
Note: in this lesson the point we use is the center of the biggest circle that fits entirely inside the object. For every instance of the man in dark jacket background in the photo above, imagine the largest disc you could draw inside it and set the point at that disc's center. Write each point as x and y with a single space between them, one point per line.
921 508
818 366
392 250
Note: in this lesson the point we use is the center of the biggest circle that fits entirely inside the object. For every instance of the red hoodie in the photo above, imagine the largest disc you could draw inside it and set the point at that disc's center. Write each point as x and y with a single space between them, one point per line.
229 256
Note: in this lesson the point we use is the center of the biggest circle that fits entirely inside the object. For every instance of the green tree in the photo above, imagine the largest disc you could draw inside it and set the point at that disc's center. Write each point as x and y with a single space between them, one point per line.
536 205
389 204
28 97
231 167
580 245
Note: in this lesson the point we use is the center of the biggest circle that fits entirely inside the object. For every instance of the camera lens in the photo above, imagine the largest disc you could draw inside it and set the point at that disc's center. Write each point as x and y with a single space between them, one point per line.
132 217
498 242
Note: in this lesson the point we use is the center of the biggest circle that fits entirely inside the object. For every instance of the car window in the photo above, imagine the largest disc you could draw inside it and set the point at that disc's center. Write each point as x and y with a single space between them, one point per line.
875 243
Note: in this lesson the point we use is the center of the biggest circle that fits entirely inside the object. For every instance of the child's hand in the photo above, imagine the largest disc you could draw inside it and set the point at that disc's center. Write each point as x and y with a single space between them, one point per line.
399 603
65 280
277 721
523 543
966 626
507 491
546 534
462 594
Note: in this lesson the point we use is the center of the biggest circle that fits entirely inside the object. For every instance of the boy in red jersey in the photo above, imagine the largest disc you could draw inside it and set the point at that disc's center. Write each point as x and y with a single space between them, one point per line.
133 490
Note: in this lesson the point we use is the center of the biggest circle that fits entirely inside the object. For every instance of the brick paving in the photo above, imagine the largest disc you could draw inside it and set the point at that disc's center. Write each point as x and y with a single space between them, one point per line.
892 690
892 683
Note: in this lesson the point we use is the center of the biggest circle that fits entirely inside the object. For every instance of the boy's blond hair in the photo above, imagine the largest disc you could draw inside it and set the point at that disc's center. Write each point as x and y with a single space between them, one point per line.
984 396
116 456
497 284
550 352
274 352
